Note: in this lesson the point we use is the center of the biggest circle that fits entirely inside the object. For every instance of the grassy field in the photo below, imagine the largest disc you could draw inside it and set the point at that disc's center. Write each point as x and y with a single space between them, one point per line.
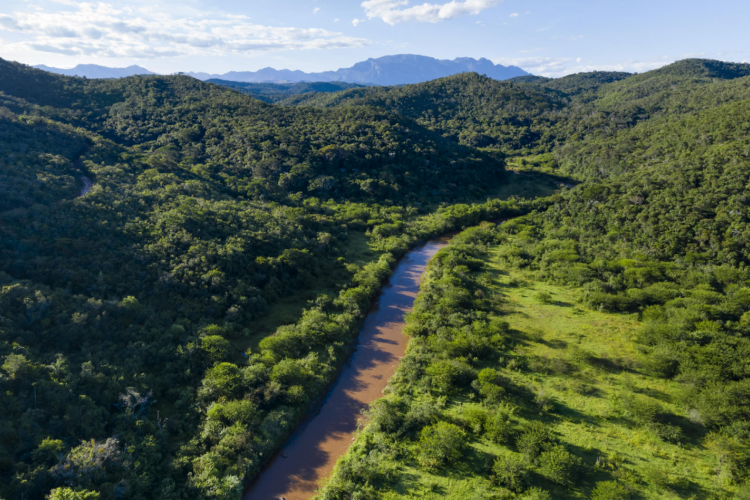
579 367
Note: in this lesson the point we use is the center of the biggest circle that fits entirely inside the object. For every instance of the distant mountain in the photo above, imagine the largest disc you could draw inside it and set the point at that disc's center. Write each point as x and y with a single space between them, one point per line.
96 71
388 70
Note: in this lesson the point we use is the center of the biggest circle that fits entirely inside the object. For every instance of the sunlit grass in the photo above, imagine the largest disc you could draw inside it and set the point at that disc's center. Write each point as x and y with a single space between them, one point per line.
582 362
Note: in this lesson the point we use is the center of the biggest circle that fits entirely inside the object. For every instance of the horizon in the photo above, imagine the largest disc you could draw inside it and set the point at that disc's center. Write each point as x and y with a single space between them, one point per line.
216 75
543 37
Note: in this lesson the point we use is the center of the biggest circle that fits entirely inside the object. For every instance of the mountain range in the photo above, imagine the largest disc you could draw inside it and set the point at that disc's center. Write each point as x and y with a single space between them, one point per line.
388 70
96 71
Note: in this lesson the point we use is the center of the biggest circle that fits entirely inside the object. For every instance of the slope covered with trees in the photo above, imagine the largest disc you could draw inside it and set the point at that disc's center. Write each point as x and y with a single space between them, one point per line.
125 314
274 92
657 233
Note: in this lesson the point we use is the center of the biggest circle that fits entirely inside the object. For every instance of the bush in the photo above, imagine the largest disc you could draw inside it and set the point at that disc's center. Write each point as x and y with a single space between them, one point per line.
532 440
510 472
448 375
543 297
499 428
610 490
217 348
441 444
664 362
559 466
475 418
386 415
71 494
536 494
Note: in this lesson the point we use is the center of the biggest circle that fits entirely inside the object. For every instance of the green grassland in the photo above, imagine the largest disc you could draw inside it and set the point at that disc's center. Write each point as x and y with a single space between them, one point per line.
578 371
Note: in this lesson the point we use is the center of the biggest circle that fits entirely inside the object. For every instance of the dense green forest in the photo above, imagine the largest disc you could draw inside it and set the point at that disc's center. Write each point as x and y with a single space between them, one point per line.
135 362
657 234
275 92
143 353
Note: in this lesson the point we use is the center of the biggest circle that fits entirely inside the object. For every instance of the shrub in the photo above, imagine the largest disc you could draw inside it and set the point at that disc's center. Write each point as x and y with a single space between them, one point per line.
664 362
475 418
536 494
610 490
386 415
510 472
532 440
499 428
543 297
217 348
71 494
447 375
222 380
558 465
441 444
424 411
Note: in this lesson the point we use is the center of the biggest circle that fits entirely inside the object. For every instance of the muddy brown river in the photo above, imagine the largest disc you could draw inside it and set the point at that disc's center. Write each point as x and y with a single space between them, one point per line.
310 454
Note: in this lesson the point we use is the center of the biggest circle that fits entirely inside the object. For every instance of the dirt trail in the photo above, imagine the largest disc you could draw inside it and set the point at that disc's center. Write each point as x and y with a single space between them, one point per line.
87 183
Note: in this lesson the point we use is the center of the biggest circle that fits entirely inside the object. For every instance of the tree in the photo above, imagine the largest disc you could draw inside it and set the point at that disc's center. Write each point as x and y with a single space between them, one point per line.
610 490
72 494
510 472
441 444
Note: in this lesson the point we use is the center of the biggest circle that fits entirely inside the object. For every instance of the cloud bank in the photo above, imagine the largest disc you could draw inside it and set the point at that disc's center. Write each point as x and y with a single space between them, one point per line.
106 30
556 67
397 11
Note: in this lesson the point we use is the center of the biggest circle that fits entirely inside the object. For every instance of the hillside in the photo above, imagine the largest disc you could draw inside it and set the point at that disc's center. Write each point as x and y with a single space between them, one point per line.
123 309
274 92
596 348
531 116
163 335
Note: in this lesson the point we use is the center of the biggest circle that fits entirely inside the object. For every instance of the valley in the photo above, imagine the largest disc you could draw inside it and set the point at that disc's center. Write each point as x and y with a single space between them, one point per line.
165 333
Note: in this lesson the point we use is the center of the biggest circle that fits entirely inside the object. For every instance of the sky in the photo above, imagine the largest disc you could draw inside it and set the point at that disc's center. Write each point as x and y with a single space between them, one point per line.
544 37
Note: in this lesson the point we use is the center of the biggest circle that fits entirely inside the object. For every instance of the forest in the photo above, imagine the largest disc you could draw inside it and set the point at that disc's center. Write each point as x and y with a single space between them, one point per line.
163 335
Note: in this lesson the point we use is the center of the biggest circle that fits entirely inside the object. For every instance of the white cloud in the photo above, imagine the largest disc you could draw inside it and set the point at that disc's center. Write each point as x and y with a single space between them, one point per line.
356 21
556 67
105 30
336 20
396 11
315 10
515 14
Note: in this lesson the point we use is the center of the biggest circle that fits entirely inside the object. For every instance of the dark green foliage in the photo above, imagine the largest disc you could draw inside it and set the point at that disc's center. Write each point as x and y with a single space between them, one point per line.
610 490
533 439
275 92
559 465
123 310
441 445
509 471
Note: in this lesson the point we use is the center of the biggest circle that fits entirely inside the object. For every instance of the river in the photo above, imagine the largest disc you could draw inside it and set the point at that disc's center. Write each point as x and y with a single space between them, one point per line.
295 472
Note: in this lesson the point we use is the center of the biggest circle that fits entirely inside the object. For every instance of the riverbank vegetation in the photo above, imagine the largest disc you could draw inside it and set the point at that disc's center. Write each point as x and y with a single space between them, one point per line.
137 322
162 335
513 388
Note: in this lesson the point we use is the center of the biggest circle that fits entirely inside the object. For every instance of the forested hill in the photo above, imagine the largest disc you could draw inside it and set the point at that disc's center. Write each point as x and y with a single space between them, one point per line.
543 407
529 116
274 92
124 314
138 358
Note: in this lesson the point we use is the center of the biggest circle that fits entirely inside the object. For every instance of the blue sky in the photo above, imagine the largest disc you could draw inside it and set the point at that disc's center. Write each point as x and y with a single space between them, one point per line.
547 37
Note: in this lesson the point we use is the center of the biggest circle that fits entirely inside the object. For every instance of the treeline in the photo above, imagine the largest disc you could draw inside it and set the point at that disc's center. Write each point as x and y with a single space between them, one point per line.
275 92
